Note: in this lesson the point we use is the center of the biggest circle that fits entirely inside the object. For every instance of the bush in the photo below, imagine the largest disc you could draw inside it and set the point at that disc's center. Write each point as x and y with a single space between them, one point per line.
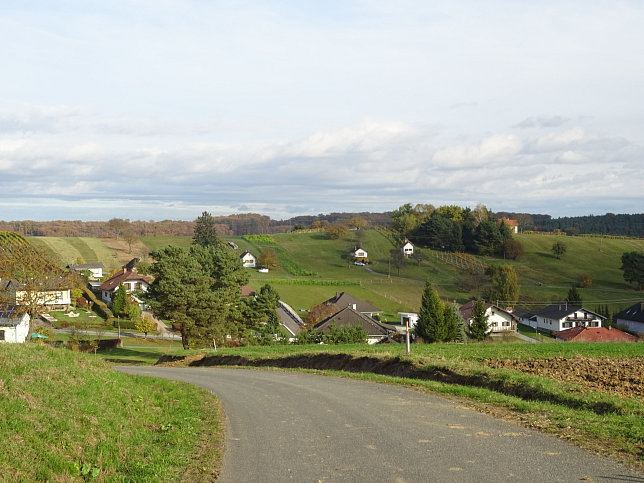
585 280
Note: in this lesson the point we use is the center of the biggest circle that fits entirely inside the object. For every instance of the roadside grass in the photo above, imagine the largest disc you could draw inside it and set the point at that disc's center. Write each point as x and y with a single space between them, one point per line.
71 417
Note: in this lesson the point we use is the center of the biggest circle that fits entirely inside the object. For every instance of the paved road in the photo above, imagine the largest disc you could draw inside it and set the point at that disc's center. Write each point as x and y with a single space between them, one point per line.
285 426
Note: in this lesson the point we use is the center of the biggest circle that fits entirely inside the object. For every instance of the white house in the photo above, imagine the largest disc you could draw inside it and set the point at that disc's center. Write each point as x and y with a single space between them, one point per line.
632 319
360 254
248 259
499 320
410 318
407 249
50 293
564 316
131 280
95 269
14 327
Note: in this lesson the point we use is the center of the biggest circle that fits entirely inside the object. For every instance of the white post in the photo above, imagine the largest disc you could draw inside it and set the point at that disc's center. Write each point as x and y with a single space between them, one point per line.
407 346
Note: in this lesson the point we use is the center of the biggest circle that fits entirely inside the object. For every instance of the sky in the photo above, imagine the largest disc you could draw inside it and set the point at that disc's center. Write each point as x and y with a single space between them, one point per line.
163 109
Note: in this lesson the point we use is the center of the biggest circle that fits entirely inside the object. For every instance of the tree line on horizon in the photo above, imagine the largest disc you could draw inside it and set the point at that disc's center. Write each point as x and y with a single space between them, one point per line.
631 225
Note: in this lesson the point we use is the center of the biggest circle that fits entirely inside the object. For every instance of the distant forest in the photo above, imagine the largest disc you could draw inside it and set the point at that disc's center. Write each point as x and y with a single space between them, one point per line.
251 223
608 224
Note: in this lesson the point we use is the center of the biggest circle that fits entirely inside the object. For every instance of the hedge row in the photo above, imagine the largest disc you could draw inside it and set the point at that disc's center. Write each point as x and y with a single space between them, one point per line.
99 307
286 281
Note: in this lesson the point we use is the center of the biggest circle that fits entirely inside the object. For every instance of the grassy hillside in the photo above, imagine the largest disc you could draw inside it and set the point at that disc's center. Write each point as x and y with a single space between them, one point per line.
313 267
71 417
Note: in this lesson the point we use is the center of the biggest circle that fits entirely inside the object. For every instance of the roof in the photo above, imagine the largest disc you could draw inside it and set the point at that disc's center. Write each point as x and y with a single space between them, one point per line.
247 291
46 284
524 313
634 313
10 315
287 321
562 310
594 334
84 266
246 253
348 317
467 308
122 276
343 299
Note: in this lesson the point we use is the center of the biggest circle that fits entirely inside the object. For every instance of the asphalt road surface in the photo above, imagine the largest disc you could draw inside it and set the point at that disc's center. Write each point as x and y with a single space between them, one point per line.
288 426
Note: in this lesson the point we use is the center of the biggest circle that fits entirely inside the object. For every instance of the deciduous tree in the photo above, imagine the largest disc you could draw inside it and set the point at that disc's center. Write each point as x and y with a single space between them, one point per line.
504 288
268 258
633 268
559 249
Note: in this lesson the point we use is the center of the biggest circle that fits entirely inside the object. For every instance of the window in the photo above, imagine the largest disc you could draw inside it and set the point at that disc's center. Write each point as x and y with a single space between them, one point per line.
493 324
2 335
506 323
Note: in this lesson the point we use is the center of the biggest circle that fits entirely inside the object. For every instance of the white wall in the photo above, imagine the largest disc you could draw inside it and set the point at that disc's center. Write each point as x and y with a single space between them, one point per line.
16 333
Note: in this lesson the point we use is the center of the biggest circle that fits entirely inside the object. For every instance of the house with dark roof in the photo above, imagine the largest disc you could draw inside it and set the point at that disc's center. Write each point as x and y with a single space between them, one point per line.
132 281
342 300
95 269
14 325
632 319
593 334
562 316
499 320
347 317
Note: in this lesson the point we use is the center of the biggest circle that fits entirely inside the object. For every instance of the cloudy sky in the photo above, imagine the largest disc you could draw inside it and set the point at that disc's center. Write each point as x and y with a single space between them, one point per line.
161 109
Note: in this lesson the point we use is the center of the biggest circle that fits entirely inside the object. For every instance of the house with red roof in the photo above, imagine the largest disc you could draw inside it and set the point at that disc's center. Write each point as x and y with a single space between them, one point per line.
131 280
593 334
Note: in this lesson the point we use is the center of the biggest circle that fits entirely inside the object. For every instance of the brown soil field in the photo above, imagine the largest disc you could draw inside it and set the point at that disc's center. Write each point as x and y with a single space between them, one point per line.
623 377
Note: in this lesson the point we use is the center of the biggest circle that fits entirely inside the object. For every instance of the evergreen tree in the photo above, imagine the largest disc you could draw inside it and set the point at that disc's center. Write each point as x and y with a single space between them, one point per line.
119 301
450 316
573 297
479 327
431 319
559 249
205 230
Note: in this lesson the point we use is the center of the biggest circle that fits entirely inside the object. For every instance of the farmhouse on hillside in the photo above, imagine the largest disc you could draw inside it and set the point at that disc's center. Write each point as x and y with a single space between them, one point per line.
132 281
632 319
407 249
347 317
14 326
499 320
359 255
248 259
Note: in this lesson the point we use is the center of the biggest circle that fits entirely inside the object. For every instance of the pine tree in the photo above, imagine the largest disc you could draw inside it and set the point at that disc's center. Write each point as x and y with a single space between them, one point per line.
431 321
451 322
479 327
574 297
205 230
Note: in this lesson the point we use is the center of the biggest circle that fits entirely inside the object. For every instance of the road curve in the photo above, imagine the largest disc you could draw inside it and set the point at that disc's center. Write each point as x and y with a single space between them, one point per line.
288 426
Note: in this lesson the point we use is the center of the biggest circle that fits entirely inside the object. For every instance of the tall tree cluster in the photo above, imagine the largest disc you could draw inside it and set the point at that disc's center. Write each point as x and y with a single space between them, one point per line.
198 289
455 229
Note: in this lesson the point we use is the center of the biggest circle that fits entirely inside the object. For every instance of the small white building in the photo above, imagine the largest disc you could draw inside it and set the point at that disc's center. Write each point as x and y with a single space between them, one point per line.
410 318
248 259
14 326
407 249
95 269
51 294
498 319
360 255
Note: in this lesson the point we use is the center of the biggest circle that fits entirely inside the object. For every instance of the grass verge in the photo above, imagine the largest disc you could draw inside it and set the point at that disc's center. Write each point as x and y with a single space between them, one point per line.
70 417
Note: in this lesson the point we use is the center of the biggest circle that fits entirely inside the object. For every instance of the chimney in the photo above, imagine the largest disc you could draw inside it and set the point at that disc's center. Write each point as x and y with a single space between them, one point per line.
354 306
